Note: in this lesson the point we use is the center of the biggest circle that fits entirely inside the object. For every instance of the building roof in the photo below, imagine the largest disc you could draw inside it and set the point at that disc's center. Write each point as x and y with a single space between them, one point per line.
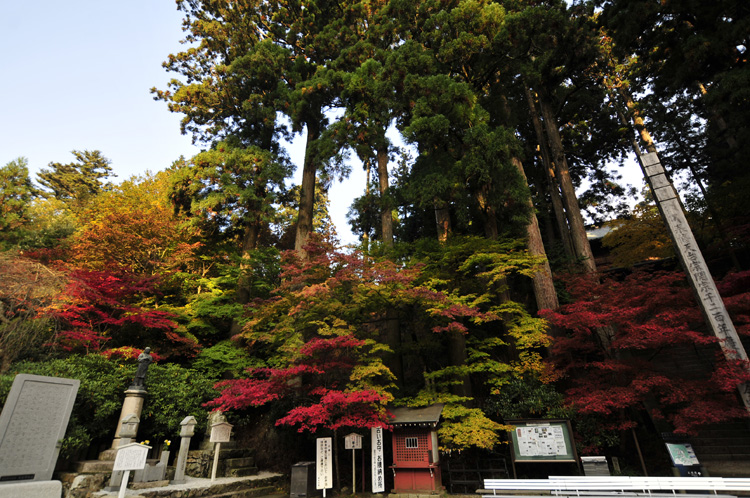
425 417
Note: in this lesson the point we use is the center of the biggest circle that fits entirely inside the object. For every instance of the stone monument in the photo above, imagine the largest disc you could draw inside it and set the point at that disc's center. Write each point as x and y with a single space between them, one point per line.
32 424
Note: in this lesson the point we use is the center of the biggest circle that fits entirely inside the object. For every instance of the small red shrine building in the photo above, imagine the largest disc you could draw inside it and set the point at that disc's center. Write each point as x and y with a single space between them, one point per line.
416 460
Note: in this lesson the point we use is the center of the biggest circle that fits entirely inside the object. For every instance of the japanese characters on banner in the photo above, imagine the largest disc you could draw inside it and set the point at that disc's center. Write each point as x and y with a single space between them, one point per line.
324 464
378 468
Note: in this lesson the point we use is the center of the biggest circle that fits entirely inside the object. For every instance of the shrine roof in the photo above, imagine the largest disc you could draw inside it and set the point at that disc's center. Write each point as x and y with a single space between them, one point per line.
425 417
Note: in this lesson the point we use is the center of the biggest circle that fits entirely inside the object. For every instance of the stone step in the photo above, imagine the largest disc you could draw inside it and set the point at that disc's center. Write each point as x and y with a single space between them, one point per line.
245 488
93 466
241 472
249 493
235 463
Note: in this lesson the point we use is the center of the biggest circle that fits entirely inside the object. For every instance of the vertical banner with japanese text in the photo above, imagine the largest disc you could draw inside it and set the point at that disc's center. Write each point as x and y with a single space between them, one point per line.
378 467
324 464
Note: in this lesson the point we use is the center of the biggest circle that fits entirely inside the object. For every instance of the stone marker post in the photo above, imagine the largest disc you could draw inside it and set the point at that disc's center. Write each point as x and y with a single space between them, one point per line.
220 433
691 258
127 430
187 430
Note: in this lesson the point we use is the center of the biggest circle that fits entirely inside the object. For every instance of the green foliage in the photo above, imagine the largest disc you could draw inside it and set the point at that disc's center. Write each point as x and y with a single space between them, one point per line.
174 393
223 360
527 398
642 237
462 427
16 192
78 182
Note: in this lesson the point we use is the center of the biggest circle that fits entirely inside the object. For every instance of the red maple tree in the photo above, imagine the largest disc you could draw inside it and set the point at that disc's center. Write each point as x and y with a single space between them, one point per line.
100 308
619 331
316 385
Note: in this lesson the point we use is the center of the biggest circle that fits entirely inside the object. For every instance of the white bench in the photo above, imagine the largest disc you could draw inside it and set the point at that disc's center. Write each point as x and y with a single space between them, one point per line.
618 485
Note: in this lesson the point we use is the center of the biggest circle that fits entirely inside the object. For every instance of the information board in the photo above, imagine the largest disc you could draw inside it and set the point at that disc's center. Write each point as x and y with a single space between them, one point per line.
131 457
682 454
353 442
542 441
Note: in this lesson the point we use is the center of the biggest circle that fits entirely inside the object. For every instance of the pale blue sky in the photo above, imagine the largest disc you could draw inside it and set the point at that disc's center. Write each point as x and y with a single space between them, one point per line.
77 75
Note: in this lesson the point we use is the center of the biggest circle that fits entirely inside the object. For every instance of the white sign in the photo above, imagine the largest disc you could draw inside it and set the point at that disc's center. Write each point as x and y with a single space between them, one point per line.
221 432
131 457
353 442
324 477
541 441
378 467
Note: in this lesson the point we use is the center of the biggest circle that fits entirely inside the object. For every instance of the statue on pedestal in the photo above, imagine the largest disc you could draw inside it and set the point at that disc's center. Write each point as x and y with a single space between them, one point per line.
144 360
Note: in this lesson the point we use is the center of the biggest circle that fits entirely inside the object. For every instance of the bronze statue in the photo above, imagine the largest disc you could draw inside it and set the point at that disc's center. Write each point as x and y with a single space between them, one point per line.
144 360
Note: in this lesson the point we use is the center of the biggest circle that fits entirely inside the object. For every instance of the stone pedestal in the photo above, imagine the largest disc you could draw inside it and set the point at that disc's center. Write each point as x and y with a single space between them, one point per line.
133 403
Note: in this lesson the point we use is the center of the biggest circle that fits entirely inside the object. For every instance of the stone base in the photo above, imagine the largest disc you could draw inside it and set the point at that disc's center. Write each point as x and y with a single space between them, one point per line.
36 489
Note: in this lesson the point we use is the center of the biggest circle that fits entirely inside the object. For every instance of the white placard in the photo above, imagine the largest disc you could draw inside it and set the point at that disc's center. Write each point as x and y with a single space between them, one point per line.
378 466
324 475
541 441
353 441
131 457
221 432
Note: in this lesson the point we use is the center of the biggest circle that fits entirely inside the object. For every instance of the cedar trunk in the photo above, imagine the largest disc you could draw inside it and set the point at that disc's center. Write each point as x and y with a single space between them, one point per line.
307 193
386 218
570 201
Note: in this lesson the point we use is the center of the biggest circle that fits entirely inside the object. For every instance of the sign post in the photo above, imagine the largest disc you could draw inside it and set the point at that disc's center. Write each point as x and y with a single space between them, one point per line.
378 468
324 474
221 432
129 457
353 442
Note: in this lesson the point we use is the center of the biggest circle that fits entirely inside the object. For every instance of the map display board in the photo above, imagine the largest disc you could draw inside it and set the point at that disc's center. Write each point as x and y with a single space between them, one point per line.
542 441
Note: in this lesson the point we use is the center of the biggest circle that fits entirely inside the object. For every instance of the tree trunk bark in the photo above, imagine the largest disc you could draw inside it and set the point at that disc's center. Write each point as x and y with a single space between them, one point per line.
307 192
489 215
544 287
442 219
570 201
554 191
386 218
457 354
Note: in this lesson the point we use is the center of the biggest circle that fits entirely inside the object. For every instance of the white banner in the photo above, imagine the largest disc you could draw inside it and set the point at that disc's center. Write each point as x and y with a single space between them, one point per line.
378 467
324 475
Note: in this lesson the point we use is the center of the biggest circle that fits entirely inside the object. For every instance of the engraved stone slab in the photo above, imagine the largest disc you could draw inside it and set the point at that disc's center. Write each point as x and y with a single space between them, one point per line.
649 159
32 424
664 193
659 181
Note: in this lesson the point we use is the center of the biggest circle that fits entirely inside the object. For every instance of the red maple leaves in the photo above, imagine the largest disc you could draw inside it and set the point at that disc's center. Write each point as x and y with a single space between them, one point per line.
622 349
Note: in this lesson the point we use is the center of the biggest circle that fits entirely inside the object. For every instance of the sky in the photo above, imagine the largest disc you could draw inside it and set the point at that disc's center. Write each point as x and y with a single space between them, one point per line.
77 76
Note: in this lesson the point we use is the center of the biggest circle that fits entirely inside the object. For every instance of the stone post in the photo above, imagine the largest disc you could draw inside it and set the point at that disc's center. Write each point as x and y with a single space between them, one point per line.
127 429
187 430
